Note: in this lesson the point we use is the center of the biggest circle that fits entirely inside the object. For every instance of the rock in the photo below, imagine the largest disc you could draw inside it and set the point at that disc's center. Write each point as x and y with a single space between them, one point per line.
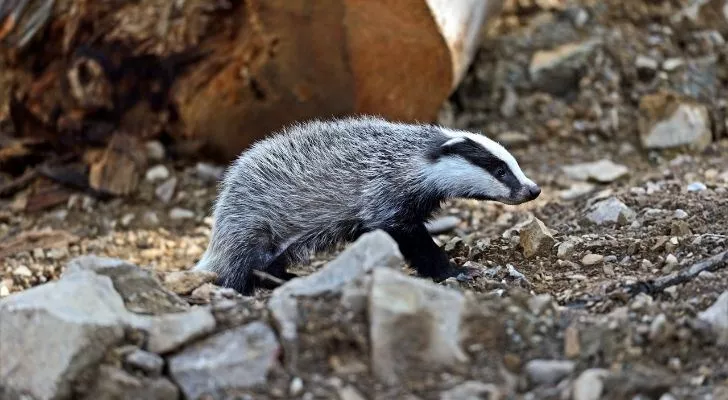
126 219
442 225
178 213
168 332
680 229
602 171
548 372
149 363
610 211
65 326
237 359
669 120
349 392
165 191
539 303
646 63
696 187
155 150
591 259
565 250
141 291
296 387
150 218
113 383
157 173
513 139
672 64
658 327
536 239
590 384
402 308
671 260
184 282
472 390
371 250
572 345
208 172
680 214
557 70
717 316
22 272
576 191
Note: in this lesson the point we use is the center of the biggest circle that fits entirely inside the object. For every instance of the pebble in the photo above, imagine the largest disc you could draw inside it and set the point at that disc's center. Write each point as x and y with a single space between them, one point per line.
178 213
165 191
4 290
151 218
591 259
535 239
565 250
589 385
157 173
717 316
539 303
680 214
610 211
697 187
127 218
23 271
602 171
707 275
548 372
671 260
296 387
150 363
155 150
208 172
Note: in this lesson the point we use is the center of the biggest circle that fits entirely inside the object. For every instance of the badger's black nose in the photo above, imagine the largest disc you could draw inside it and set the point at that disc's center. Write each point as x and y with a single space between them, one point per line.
534 191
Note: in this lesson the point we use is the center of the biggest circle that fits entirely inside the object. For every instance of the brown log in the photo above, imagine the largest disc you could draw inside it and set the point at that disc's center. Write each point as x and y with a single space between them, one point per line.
224 73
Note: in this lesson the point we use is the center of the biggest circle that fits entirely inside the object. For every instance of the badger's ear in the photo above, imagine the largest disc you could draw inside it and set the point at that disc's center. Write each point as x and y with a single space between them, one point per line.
447 147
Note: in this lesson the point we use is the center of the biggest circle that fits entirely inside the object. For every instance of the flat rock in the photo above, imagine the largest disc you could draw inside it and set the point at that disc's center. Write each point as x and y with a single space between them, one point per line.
536 239
66 326
552 70
113 383
602 171
402 308
717 316
184 282
372 250
610 211
170 331
591 259
140 289
237 359
670 120
548 372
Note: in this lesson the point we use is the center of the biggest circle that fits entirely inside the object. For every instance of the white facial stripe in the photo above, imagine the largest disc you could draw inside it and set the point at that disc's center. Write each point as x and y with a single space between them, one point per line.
458 178
454 141
497 150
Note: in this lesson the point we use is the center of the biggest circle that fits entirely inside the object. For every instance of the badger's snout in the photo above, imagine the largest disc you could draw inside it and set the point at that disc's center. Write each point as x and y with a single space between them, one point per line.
532 192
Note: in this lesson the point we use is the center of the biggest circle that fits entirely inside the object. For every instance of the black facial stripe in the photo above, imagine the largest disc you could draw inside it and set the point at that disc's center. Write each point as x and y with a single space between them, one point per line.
481 157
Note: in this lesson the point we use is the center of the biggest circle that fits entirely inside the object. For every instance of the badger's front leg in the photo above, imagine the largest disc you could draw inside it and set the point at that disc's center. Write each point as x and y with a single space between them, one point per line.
418 248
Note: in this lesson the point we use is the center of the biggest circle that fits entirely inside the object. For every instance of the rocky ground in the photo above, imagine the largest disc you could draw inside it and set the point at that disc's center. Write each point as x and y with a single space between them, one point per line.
608 285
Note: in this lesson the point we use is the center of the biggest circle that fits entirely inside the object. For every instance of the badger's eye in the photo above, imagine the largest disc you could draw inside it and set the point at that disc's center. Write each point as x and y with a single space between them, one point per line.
500 172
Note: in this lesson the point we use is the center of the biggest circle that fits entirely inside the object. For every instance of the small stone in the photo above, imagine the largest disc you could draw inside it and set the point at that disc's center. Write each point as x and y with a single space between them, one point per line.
472 390
157 173
717 316
602 171
590 384
646 264
548 372
23 272
591 259
672 64
539 303
680 228
38 253
670 120
658 327
680 214
155 150
4 290
535 239
442 225
671 260
707 275
126 219
57 253
178 213
555 70
208 172
114 383
511 139
611 211
349 392
169 332
696 187
296 387
150 218
566 250
233 360
165 191
572 346
184 282
577 190
672 292
150 363
644 62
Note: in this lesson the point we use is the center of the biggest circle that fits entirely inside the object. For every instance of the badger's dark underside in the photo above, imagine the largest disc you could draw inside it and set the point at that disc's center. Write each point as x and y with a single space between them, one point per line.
415 244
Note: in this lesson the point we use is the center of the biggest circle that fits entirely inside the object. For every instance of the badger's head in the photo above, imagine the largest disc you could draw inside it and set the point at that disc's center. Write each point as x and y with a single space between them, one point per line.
468 165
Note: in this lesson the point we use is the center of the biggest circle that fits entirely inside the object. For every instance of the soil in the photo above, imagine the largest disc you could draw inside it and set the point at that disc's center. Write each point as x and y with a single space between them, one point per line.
594 115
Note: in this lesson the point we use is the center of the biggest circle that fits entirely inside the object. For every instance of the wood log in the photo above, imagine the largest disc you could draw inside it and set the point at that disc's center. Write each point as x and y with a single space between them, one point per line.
224 73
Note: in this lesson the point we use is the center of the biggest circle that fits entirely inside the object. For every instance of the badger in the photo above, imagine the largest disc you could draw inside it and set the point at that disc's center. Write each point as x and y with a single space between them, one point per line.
316 184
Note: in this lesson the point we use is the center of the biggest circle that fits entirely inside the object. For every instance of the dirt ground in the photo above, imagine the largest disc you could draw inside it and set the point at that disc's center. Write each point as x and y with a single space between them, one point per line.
593 115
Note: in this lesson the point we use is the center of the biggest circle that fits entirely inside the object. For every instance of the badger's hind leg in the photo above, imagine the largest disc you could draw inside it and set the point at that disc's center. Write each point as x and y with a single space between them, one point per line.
429 260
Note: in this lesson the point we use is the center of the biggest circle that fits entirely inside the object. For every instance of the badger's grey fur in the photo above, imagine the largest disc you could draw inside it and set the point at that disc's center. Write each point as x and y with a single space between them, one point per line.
319 183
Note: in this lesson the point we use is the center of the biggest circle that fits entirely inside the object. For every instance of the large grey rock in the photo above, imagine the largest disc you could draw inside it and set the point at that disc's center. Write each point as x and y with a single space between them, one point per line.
168 332
141 291
116 384
372 250
669 120
414 325
717 316
52 333
610 211
230 361
603 171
